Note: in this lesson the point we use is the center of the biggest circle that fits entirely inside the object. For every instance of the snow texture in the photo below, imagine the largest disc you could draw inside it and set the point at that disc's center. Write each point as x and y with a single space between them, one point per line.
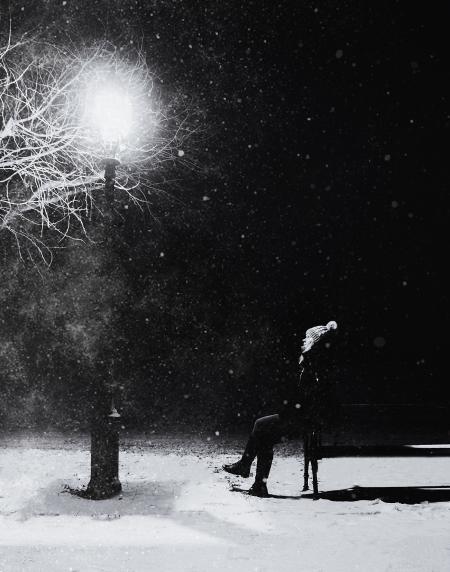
177 512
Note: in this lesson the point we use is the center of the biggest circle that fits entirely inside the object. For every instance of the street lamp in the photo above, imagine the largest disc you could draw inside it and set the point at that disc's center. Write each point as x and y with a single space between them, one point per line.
111 115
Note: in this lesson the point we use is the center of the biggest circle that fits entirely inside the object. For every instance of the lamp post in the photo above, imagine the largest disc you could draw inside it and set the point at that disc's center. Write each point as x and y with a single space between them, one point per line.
104 481
111 114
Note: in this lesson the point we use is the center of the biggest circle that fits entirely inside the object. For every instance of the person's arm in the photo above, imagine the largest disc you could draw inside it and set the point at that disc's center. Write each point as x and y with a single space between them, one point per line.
302 362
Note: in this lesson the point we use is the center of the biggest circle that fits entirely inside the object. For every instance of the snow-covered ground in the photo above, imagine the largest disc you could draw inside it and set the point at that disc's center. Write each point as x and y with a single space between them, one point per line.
177 513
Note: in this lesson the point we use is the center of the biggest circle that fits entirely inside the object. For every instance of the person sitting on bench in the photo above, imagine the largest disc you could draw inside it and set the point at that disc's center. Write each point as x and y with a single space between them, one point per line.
272 429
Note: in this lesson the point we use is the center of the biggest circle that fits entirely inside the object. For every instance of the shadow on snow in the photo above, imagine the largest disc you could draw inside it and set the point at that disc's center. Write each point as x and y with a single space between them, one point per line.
406 495
139 498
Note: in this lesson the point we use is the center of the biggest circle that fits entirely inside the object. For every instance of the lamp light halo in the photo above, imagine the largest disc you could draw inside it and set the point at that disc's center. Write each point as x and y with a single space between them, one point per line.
110 112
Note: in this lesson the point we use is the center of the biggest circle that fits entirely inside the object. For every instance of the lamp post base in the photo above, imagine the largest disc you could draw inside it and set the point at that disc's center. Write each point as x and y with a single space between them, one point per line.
104 482
101 490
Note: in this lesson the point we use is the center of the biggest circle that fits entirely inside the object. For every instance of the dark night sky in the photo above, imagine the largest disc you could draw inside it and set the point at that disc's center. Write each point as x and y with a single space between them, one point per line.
323 161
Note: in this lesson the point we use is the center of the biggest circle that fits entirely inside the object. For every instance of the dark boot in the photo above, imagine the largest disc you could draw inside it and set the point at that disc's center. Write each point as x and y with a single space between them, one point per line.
240 468
258 489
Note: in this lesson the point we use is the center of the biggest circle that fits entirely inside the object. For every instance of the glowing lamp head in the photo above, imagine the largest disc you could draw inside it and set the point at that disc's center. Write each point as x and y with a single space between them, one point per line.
111 114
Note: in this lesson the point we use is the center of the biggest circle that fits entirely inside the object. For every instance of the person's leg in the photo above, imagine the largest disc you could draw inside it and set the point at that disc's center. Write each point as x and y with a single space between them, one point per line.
263 466
265 433
268 431
242 467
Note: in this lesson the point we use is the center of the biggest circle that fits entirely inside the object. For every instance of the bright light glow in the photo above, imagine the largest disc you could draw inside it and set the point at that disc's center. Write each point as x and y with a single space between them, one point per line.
111 113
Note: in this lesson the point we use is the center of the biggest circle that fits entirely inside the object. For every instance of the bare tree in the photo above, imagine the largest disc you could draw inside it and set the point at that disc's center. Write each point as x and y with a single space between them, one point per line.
62 113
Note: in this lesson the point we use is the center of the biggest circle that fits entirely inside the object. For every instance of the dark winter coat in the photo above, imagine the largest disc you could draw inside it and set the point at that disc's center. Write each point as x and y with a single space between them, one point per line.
315 404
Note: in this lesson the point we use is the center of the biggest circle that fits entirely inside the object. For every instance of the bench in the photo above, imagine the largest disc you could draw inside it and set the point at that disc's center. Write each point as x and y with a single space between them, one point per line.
314 450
